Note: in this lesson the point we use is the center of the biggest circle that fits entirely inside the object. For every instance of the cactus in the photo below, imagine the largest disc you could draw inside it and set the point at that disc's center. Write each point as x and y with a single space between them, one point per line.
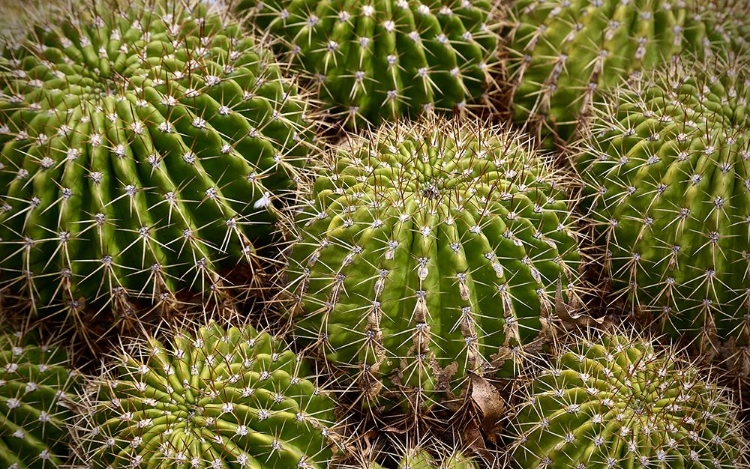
145 148
36 392
429 249
561 54
615 402
222 398
385 59
666 172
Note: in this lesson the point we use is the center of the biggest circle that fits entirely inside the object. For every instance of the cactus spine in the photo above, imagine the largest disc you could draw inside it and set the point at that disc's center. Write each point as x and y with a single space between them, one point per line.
430 249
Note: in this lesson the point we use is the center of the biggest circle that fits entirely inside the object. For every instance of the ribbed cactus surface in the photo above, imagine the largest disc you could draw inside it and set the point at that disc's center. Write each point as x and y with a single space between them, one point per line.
667 171
561 53
429 249
224 398
144 148
616 402
385 59
36 390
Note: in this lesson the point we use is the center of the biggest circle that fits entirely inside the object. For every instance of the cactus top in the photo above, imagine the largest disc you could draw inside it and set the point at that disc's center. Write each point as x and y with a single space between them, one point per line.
224 398
428 248
36 386
616 403
562 53
667 172
386 59
144 145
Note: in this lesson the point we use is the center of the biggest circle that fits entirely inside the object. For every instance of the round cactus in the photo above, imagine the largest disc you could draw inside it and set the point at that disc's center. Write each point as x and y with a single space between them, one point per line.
384 59
223 398
429 250
36 390
562 53
616 402
667 172
143 149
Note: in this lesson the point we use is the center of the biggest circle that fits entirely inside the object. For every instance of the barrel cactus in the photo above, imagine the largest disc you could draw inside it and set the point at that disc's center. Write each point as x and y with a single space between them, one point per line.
616 402
667 171
561 53
37 390
385 59
221 398
145 148
428 250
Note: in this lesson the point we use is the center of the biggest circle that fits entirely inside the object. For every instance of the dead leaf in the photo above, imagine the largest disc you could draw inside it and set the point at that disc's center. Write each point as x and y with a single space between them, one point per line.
490 404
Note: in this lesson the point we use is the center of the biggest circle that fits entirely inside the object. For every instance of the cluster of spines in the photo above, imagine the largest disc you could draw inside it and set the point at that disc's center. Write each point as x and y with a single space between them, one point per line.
37 388
386 59
144 152
666 173
224 397
617 401
450 242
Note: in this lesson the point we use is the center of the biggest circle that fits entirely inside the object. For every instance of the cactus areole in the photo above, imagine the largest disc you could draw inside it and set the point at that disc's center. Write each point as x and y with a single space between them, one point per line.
429 250
667 172
385 59
144 147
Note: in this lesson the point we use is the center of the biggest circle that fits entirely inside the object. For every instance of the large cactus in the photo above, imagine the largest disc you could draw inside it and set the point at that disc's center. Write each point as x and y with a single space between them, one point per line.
37 389
224 398
431 249
666 168
385 59
144 147
616 402
561 53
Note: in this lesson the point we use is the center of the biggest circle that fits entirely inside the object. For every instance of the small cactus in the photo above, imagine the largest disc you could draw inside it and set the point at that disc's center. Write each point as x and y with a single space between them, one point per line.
222 398
385 59
430 249
617 402
561 54
668 189
145 147
37 389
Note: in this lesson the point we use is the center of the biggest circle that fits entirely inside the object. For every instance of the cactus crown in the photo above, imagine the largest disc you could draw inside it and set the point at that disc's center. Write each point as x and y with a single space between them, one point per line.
222 398
429 248
667 171
385 59
36 387
563 53
143 149
618 402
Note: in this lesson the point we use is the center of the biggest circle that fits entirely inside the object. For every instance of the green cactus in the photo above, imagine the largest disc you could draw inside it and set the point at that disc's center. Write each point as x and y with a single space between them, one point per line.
562 53
220 399
617 402
431 249
144 149
36 392
667 172
384 59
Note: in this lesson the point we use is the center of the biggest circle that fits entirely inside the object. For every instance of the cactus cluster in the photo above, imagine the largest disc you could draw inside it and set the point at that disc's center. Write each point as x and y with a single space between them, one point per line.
144 147
561 53
217 399
386 59
616 402
36 391
667 173
430 249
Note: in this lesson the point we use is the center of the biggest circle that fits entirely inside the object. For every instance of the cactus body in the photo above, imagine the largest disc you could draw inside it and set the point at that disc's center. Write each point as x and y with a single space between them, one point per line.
563 53
221 399
385 59
144 147
667 169
36 386
427 250
615 402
